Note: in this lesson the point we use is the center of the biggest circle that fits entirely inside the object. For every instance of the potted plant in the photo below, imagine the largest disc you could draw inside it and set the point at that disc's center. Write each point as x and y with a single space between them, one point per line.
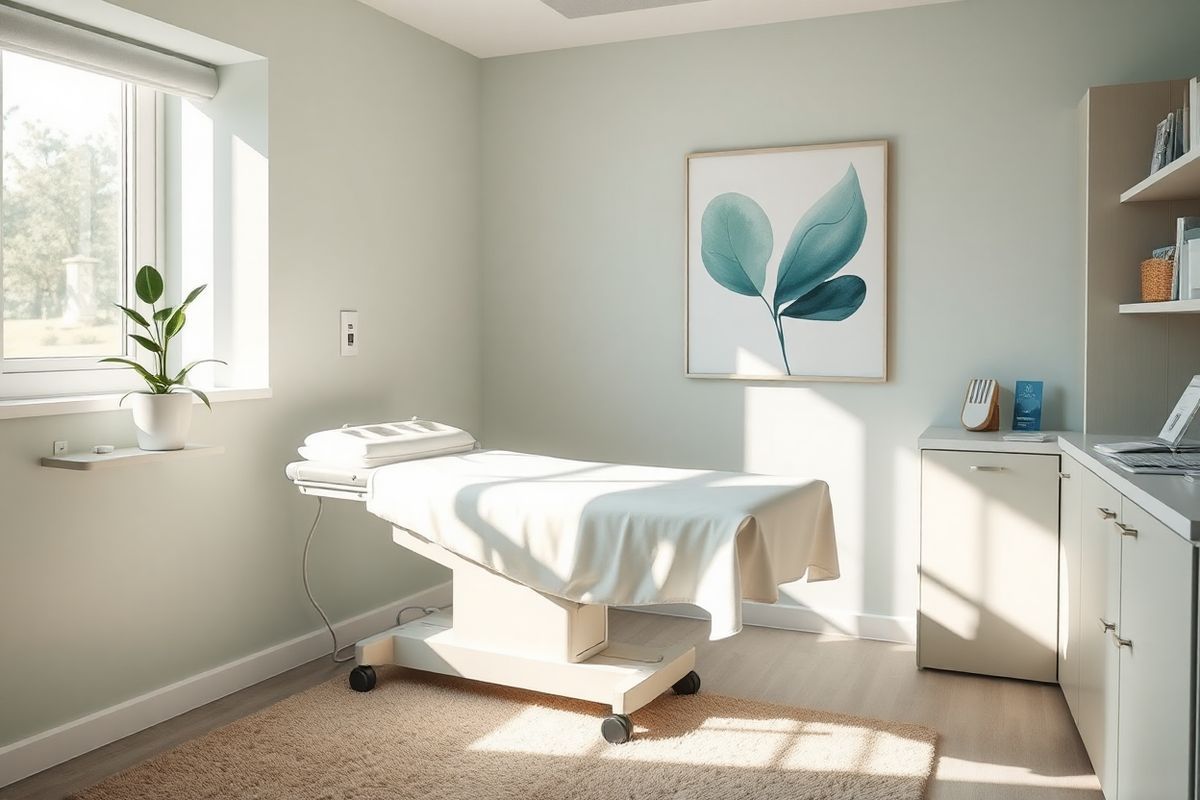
163 414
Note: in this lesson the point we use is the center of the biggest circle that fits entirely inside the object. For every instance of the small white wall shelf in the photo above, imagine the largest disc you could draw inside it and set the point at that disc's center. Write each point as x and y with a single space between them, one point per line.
127 456
1164 307
1179 180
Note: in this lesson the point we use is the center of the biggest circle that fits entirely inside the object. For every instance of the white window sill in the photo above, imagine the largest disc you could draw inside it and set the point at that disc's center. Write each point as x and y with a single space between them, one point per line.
86 404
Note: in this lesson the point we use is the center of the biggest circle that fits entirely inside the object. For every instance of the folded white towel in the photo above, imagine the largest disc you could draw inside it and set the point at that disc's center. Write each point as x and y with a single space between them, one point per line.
348 461
385 443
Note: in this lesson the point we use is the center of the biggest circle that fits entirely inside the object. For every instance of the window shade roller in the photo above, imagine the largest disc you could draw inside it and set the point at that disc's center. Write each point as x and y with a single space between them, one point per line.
61 42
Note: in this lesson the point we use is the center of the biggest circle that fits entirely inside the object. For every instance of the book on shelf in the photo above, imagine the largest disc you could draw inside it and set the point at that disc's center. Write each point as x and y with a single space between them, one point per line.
1169 146
1194 109
1157 162
1189 259
1176 135
1186 230
1193 259
1179 143
1185 118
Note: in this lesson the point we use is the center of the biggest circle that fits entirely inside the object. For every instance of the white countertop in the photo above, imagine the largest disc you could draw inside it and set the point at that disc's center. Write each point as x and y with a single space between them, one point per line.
1170 499
984 442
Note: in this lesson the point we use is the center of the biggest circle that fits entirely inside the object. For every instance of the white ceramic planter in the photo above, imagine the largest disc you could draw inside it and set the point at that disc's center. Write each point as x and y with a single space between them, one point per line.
162 420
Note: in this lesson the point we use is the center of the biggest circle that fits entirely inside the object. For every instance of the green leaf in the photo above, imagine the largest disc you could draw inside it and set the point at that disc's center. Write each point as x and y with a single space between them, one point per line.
145 342
148 284
163 313
203 397
831 301
184 372
175 324
192 295
134 315
153 380
736 243
824 241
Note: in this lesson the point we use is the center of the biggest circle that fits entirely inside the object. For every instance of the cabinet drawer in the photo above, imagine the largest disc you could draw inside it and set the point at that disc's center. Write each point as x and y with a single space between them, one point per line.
989 563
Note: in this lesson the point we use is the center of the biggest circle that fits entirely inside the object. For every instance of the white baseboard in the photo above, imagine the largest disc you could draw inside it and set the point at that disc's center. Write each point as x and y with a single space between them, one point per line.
808 620
48 748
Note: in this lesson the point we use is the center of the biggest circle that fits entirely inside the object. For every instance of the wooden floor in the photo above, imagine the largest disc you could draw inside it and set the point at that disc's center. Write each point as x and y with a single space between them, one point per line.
1000 738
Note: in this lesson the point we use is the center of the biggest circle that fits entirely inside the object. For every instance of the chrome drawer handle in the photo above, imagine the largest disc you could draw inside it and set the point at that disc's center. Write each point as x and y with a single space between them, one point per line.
1105 627
1119 642
1106 514
1126 531
979 468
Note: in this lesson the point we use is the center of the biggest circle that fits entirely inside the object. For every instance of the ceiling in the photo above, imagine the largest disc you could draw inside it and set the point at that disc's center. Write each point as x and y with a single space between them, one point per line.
487 28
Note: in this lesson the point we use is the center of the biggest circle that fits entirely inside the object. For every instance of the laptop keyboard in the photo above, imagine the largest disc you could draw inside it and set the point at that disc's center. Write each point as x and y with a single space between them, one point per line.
1162 460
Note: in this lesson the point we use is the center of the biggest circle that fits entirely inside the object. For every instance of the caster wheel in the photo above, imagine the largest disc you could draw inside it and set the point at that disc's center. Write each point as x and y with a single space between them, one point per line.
617 729
362 679
688 684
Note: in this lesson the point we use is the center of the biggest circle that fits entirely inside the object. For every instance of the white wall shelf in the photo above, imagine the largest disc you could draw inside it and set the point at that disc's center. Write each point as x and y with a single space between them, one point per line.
1179 180
1164 307
127 456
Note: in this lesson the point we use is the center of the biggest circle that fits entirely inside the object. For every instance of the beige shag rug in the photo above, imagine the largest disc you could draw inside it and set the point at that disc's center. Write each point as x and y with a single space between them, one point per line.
422 736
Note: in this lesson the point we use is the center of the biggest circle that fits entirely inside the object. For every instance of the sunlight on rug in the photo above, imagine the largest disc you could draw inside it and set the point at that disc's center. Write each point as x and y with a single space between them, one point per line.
423 736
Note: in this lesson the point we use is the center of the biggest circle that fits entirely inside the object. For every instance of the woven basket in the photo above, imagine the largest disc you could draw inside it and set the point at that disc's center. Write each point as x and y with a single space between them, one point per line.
1157 278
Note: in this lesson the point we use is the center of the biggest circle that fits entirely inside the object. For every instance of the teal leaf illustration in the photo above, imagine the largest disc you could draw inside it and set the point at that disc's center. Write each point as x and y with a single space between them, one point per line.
736 243
831 301
824 241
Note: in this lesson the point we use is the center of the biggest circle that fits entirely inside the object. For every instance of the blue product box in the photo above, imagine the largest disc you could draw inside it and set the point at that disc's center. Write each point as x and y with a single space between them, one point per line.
1027 406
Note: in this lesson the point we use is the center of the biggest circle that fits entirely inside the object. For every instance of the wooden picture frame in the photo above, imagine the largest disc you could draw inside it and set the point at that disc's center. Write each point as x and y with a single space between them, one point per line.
830 269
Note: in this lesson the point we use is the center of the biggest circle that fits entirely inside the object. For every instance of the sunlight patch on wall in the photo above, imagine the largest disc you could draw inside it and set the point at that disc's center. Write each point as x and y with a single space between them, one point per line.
789 430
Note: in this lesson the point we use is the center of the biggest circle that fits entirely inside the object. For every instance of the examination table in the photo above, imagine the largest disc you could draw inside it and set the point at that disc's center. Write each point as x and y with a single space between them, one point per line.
540 547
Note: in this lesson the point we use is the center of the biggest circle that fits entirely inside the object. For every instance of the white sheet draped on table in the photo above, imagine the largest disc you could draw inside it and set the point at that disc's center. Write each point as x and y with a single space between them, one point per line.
615 534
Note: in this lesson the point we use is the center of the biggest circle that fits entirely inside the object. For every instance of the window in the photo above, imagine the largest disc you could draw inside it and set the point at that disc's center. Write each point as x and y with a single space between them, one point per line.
78 212
116 153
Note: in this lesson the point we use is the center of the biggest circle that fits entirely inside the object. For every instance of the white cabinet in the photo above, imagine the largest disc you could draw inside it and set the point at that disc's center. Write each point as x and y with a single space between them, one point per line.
1046 564
1099 613
989 563
1126 658
1070 535
1154 641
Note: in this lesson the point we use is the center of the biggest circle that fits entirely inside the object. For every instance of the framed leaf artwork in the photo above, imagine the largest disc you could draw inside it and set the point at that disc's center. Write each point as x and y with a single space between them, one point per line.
787 263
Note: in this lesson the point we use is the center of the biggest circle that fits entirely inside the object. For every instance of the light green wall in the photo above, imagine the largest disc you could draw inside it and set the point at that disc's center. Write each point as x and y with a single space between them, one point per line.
115 583
377 191
583 239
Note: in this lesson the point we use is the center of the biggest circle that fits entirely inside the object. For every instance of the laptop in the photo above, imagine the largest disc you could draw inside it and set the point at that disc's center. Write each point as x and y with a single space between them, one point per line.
1165 454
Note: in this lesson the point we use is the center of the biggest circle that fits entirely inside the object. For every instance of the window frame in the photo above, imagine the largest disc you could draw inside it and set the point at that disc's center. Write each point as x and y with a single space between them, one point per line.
142 222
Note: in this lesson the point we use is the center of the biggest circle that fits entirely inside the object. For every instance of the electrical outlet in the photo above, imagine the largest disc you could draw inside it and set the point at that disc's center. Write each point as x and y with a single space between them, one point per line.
59 448
349 345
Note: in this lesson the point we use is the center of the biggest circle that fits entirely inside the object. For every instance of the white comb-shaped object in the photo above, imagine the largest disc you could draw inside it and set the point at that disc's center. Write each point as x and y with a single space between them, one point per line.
981 409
